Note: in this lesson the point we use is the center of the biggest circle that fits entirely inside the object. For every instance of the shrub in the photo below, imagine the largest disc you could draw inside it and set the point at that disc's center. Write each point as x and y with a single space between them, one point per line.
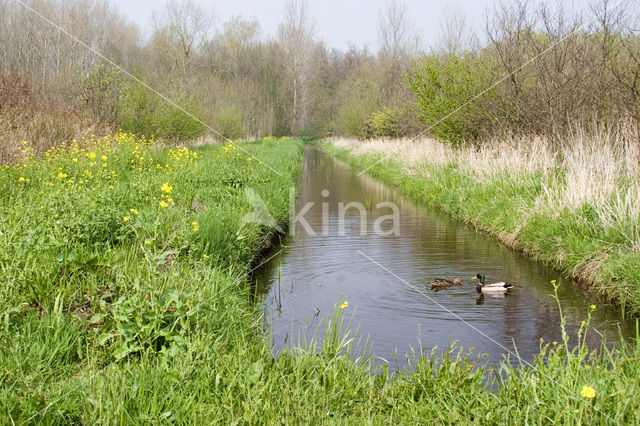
230 121
137 113
358 107
175 124
143 113
101 88
386 123
15 92
25 115
444 88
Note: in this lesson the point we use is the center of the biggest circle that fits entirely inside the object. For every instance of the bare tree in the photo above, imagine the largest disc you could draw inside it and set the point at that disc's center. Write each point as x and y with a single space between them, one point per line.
398 43
182 29
296 38
618 28
456 34
396 34
51 59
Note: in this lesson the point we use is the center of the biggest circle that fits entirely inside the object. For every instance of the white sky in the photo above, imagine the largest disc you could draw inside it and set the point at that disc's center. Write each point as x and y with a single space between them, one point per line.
339 23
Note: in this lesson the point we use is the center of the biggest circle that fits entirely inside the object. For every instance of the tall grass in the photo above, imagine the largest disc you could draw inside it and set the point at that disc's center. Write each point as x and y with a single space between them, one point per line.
577 206
149 319
137 256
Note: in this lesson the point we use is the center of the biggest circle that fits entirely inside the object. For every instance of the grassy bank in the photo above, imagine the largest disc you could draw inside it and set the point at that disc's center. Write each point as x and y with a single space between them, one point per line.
125 301
577 208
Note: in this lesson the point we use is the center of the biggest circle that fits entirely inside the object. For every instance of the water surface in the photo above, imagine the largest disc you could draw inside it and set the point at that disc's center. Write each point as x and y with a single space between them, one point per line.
385 278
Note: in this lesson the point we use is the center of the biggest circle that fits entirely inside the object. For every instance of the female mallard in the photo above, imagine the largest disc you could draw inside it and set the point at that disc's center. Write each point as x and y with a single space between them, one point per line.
440 283
491 288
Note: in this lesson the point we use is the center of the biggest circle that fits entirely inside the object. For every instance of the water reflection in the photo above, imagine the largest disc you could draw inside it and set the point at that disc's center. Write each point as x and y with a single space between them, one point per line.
386 278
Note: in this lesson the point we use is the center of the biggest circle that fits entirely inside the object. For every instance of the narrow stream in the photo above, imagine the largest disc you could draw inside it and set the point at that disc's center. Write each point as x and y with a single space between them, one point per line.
386 278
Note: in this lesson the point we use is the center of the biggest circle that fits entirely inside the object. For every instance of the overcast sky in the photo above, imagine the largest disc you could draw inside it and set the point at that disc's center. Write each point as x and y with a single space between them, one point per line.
340 23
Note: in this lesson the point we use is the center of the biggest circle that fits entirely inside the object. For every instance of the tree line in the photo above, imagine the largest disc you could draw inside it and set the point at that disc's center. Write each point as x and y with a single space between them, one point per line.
541 69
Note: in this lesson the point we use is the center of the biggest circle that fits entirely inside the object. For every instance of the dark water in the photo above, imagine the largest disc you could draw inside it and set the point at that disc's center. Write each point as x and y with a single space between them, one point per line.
385 278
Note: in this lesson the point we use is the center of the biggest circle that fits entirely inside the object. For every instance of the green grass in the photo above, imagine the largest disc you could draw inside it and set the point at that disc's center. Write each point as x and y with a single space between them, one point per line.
150 319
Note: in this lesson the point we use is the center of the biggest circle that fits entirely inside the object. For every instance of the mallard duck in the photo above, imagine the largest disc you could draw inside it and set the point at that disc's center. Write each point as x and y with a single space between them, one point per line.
491 288
440 283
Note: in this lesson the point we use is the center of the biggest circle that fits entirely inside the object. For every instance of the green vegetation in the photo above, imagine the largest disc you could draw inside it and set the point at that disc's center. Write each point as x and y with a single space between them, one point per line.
359 105
115 252
143 112
230 122
126 301
526 79
125 296
444 85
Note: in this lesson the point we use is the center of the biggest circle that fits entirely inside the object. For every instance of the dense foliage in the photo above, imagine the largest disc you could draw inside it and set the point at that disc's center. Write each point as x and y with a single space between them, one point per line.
446 90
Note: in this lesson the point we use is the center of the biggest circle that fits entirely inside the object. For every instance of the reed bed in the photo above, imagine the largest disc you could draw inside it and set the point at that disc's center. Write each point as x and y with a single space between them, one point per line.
573 201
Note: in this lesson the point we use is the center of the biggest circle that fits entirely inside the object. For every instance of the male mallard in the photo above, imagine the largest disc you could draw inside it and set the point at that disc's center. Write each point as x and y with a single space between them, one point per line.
440 283
491 288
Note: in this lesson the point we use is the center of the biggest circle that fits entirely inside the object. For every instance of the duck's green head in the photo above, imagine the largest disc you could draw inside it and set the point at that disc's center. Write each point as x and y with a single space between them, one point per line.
479 277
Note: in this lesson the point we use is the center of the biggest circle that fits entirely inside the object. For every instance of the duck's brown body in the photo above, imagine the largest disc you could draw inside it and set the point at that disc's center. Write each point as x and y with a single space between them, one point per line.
440 283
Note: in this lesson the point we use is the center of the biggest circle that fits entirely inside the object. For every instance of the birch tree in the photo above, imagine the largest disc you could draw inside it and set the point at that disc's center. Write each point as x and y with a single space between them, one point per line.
296 39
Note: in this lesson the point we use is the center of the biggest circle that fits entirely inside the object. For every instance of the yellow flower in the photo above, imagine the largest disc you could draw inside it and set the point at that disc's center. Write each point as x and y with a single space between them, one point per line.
134 211
126 218
593 307
164 204
21 179
62 175
74 159
166 188
588 392
344 305
195 226
103 158
147 242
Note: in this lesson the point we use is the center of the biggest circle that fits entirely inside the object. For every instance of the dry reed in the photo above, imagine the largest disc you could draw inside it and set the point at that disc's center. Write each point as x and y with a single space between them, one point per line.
596 168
